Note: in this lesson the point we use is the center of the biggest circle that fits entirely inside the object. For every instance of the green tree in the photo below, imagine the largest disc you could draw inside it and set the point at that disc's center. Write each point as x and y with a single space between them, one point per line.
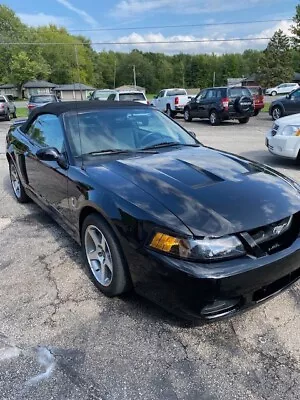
276 64
24 69
295 29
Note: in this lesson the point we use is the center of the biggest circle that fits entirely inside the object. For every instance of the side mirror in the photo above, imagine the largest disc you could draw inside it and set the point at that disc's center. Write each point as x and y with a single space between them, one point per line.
192 133
52 154
155 97
288 96
48 154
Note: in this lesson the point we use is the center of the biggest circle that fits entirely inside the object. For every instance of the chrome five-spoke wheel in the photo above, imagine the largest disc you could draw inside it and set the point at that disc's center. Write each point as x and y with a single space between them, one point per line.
98 255
15 181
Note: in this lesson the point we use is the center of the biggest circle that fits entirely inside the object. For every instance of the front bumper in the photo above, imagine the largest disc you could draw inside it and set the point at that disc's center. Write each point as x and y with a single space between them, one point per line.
211 291
284 146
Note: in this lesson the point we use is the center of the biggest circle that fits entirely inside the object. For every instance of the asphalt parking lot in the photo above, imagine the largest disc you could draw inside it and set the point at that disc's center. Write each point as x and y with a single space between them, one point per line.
61 339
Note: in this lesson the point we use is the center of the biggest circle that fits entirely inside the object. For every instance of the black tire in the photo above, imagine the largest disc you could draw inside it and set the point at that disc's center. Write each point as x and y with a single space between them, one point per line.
120 277
19 193
15 114
169 112
7 116
276 113
187 115
244 120
274 93
214 118
256 112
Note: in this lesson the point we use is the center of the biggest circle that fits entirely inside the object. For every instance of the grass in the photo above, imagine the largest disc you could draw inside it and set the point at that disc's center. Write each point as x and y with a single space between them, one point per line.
22 112
266 108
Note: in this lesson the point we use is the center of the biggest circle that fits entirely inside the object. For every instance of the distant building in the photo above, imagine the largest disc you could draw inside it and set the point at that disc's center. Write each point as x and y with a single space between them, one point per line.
37 87
9 88
131 87
234 81
73 91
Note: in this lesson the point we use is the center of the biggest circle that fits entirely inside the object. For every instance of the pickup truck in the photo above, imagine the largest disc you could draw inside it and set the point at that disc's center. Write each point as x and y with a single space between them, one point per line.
171 101
7 107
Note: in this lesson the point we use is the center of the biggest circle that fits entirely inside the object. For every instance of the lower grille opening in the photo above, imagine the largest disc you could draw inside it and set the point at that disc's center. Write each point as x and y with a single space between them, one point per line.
276 286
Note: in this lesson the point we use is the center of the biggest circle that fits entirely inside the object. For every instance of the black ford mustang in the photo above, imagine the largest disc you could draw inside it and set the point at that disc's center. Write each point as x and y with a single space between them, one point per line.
202 232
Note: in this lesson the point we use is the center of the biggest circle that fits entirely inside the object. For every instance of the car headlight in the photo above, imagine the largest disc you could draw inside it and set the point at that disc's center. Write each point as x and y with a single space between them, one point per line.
206 249
291 130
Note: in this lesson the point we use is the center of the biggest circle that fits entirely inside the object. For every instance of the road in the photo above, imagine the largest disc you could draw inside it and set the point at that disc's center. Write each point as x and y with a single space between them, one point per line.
61 339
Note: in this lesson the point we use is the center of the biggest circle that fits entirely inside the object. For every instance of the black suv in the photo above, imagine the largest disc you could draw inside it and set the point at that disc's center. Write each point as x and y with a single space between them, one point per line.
288 105
221 103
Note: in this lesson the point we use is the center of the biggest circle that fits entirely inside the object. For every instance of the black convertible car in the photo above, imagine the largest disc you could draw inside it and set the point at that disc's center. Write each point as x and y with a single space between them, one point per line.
202 232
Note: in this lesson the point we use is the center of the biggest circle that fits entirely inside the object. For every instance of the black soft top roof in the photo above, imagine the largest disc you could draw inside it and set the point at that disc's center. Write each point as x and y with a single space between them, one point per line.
78 106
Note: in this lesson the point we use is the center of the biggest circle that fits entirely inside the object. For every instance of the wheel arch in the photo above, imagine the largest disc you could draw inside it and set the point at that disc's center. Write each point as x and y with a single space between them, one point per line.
91 208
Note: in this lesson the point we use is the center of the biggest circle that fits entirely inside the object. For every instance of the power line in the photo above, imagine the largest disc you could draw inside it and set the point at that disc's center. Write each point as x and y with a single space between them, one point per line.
135 43
180 26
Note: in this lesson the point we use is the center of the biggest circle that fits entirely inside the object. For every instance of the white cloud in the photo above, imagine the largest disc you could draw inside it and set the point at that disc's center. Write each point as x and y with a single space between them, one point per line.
126 8
43 19
83 14
197 47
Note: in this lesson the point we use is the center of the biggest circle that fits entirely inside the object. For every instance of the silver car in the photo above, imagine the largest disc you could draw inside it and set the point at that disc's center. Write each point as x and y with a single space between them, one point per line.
7 107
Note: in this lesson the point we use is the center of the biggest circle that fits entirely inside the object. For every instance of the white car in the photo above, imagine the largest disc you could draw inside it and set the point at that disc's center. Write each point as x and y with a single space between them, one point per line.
128 95
171 101
284 88
284 137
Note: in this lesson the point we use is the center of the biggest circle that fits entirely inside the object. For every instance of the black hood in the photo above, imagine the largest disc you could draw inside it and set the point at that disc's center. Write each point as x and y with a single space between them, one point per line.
213 193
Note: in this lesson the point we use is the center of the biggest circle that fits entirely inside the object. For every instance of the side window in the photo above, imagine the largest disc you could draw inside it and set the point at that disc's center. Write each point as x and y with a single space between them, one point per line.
201 95
211 94
111 97
296 94
47 131
161 93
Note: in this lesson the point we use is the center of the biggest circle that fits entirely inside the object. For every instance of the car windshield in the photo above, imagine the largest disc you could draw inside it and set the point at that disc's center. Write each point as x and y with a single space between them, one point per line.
176 92
122 129
131 96
43 99
102 95
236 92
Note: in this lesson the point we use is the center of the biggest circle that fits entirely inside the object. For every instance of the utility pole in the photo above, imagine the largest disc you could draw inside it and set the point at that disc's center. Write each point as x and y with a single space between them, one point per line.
134 76
115 73
214 79
78 71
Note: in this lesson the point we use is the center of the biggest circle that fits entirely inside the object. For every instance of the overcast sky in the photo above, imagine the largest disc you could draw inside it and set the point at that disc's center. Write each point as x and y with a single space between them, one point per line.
93 15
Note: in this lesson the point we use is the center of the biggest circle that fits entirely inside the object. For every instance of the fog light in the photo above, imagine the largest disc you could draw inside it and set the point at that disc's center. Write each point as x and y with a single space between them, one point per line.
219 307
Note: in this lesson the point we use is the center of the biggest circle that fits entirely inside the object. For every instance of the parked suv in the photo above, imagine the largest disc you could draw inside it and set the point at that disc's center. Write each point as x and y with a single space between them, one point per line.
221 103
282 89
7 107
288 105
128 95
101 94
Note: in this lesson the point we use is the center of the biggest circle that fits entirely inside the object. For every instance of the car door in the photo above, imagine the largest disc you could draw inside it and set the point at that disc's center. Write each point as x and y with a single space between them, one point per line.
160 101
48 179
206 103
293 106
281 89
11 104
199 104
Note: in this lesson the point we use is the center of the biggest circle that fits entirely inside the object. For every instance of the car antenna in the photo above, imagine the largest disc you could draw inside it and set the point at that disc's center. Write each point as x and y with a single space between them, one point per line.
76 104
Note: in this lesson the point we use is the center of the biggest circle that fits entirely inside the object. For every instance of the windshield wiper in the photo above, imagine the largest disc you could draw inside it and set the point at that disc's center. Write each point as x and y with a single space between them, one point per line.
117 151
167 144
